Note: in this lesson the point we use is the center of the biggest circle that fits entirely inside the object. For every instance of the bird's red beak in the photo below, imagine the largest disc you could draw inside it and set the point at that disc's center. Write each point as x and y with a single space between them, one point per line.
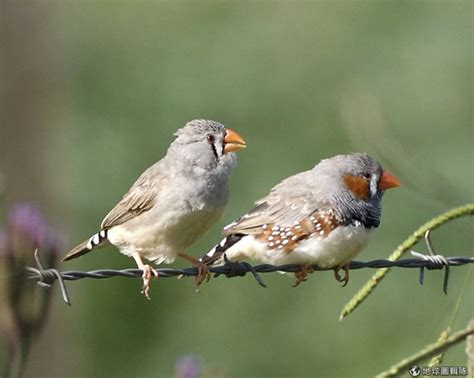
387 181
233 141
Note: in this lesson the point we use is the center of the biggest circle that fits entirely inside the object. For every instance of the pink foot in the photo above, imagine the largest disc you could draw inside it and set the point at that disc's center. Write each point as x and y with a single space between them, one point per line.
147 271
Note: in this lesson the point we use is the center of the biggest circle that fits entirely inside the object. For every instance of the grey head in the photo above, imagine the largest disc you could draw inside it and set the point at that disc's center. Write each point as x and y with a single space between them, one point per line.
355 185
206 144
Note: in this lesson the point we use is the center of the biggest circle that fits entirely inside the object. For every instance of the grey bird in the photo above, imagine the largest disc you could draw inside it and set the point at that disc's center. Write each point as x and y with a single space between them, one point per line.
323 216
174 202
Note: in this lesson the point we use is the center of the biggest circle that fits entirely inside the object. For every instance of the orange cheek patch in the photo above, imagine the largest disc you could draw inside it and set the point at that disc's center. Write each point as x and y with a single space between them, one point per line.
357 185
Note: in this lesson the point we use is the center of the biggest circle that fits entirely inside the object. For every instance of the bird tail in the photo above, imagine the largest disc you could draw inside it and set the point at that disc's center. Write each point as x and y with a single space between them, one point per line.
86 246
216 254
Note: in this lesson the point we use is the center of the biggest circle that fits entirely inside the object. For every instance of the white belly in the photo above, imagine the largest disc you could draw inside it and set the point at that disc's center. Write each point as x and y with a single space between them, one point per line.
339 247
160 235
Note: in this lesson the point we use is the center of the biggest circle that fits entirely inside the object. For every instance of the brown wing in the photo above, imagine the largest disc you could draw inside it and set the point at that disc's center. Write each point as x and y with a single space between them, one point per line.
140 198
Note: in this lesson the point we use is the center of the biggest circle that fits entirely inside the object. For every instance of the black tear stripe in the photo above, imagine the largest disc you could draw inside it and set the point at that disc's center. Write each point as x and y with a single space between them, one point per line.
214 150
216 253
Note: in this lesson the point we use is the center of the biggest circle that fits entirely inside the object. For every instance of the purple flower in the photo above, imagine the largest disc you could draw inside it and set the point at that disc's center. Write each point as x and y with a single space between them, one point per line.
188 367
25 306
28 229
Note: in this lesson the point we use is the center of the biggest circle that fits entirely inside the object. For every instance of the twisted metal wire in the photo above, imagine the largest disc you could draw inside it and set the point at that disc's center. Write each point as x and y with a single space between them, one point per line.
46 277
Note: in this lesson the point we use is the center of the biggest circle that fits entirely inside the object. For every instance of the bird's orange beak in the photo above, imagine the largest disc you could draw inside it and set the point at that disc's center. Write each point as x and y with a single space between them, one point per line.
387 181
233 141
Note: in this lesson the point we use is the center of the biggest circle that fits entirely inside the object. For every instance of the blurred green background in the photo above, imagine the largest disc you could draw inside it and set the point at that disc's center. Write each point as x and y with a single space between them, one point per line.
91 93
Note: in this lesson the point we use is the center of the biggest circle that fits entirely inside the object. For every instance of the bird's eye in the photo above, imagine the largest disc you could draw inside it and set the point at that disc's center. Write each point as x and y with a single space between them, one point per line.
367 176
210 138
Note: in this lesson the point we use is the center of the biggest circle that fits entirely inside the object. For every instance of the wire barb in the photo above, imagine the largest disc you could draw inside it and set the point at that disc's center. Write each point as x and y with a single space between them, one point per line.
46 277
435 262
240 269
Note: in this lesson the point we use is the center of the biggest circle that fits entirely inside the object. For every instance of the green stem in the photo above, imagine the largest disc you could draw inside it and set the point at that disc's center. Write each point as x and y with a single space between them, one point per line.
425 353
434 223
436 360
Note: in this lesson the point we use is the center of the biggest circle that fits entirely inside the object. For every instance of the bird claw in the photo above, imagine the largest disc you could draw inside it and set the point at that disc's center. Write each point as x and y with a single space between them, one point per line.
302 274
147 271
345 278
203 272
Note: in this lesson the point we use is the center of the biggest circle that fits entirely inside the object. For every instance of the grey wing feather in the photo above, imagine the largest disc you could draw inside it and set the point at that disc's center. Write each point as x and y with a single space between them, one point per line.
286 203
140 198
269 213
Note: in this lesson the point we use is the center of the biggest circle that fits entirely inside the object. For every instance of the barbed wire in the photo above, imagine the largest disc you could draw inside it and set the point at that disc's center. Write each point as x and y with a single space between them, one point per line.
46 277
